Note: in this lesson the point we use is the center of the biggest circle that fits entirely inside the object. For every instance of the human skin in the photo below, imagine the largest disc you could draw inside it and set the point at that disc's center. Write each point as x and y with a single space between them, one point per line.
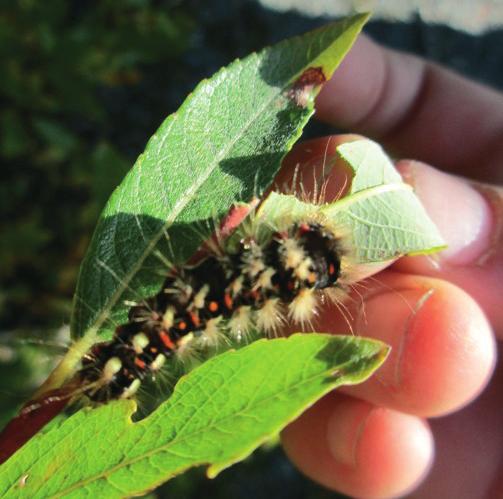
429 423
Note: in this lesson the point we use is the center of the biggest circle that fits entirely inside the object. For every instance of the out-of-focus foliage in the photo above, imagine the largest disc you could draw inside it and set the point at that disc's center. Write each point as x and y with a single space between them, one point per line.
24 365
65 68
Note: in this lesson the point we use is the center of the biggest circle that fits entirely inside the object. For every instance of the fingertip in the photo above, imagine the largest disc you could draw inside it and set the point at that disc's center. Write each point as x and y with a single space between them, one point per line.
449 351
465 222
392 451
442 346
360 449
469 216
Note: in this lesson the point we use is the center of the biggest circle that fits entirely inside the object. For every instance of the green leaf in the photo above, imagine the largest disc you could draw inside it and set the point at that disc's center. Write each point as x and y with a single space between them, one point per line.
224 144
380 214
383 215
216 416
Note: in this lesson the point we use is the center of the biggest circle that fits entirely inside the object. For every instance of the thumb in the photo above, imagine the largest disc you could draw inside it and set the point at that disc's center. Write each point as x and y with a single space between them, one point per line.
470 218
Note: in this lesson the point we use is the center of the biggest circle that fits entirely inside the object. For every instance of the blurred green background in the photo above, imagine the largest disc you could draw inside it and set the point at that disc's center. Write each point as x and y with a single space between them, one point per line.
83 84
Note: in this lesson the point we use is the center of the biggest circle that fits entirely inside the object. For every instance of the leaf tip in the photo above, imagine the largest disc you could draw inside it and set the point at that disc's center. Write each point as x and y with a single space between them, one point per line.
434 249
359 19
213 471
382 354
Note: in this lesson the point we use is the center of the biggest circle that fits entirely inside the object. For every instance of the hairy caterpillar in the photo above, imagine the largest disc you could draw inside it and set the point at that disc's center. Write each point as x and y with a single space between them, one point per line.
265 278
257 276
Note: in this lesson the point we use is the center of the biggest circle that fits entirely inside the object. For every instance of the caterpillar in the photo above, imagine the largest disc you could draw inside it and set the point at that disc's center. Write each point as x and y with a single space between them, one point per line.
256 278
259 283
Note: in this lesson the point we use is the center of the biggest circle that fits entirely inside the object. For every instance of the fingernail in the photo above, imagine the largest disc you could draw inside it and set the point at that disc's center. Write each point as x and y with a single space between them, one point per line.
460 212
345 428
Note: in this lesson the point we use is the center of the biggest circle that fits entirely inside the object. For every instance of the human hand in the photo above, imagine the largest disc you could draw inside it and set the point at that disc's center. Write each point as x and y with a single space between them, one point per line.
373 440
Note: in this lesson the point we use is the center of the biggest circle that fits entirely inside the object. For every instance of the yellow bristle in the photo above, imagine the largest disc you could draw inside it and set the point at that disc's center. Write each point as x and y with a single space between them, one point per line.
212 335
168 318
293 255
264 280
303 307
112 367
198 301
131 389
269 317
240 323
140 341
302 271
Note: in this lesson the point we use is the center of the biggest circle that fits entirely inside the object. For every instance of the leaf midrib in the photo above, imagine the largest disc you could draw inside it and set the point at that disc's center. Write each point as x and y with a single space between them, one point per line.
177 209
376 190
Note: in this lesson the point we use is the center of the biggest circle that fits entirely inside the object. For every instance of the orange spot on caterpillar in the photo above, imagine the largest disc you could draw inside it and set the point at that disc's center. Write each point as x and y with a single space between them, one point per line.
303 228
182 325
228 301
139 363
166 340
331 269
213 306
195 319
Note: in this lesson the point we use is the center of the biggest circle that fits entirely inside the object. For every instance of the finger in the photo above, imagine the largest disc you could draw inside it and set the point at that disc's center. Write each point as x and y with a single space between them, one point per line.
473 435
359 449
314 161
442 348
471 221
416 109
